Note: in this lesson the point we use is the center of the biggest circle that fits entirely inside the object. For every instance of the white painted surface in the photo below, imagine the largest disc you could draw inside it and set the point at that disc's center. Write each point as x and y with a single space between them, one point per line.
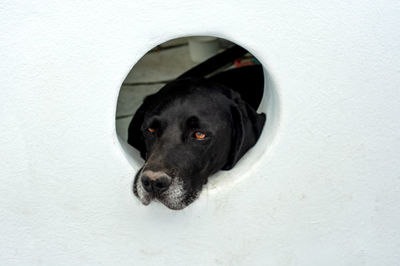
327 191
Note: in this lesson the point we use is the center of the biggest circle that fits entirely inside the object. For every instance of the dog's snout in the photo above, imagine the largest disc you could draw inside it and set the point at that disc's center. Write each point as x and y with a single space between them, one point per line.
156 182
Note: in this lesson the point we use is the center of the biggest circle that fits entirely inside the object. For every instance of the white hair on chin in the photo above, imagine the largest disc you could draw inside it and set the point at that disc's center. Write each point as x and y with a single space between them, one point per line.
174 196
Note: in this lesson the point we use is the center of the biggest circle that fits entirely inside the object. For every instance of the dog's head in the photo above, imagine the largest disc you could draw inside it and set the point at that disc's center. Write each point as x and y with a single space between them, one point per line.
186 132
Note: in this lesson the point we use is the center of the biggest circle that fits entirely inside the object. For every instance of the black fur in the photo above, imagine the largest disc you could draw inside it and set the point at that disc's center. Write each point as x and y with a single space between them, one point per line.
178 110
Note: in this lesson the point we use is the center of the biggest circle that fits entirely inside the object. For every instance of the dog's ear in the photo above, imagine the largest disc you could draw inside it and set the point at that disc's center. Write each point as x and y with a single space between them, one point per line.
135 135
247 126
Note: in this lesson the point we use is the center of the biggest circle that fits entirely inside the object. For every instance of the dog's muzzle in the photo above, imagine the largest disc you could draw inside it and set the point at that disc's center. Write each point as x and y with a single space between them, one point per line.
150 185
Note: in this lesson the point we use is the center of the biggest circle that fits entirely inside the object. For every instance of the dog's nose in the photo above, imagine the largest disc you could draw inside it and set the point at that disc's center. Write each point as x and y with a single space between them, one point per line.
146 182
155 182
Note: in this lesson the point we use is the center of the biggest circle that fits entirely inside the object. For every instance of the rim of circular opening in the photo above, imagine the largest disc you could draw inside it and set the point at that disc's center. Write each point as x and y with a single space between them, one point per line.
270 105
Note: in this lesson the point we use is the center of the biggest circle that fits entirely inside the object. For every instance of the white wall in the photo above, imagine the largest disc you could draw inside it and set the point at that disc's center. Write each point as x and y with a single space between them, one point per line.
326 192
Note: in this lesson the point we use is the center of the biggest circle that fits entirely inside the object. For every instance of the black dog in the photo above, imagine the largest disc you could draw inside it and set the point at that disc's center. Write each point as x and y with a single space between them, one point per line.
186 132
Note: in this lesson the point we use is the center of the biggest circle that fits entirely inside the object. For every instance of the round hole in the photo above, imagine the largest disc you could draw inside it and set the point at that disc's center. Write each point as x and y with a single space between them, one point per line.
169 60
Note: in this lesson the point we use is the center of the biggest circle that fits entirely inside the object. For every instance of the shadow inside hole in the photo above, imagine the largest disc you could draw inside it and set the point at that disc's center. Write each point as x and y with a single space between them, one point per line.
173 59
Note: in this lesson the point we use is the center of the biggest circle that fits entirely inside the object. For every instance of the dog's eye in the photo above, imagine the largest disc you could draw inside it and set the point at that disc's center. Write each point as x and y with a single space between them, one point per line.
151 130
199 135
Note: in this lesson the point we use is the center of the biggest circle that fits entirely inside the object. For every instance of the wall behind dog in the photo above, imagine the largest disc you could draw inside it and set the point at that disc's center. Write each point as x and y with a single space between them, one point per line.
326 192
